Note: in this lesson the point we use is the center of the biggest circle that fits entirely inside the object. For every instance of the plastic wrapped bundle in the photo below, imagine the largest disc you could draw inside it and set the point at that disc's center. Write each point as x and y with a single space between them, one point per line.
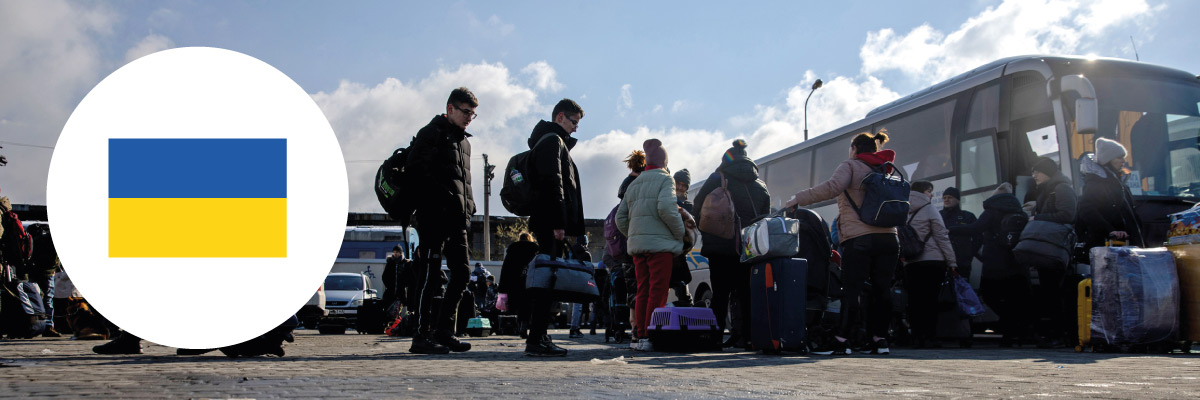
1135 295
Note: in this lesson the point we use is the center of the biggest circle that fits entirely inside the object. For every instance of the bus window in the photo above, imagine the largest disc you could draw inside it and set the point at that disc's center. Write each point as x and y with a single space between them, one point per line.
985 109
829 155
1032 123
922 140
788 175
978 163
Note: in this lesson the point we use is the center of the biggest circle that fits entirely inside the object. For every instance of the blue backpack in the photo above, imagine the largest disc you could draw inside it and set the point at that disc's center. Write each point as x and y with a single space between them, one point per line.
885 197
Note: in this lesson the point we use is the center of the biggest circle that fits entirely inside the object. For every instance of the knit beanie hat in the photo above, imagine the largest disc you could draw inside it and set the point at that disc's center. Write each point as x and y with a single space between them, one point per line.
1046 166
736 152
1108 150
684 176
952 191
656 154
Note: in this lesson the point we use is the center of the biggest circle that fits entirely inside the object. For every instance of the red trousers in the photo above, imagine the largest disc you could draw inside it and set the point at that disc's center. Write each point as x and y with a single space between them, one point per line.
653 273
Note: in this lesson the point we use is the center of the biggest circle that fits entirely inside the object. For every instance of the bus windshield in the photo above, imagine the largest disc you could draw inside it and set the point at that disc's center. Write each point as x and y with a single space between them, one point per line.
1158 121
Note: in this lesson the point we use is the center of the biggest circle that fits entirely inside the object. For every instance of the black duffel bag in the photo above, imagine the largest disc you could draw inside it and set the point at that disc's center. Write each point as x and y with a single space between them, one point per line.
1045 244
571 281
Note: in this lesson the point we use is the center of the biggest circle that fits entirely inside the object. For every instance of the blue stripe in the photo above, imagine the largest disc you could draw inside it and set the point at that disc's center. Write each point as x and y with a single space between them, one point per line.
197 168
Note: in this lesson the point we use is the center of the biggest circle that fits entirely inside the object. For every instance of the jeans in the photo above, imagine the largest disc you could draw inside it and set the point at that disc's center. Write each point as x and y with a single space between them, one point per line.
46 284
868 259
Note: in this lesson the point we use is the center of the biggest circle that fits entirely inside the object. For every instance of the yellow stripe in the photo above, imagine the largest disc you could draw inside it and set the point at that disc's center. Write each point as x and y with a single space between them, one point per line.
186 228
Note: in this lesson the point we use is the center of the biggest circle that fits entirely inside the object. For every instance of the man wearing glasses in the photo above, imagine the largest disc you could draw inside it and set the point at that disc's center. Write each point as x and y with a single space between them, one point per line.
440 159
559 211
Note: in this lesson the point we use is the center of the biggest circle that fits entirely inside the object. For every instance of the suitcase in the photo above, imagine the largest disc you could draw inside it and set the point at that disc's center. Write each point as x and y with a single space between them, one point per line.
1083 313
479 327
778 296
372 317
507 325
1135 297
684 329
1187 261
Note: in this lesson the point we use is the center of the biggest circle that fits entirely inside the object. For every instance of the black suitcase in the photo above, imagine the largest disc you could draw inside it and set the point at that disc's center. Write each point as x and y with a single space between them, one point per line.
778 295
372 317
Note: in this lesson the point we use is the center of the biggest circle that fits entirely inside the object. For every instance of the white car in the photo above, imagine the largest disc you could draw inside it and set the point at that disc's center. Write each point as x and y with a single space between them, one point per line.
344 292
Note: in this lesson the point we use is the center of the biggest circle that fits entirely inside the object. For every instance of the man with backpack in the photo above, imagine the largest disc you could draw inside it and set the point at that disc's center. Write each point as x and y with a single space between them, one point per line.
440 163
559 207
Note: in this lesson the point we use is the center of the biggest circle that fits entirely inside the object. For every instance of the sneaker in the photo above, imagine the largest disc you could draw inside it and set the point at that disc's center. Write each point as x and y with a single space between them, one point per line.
124 344
544 348
645 345
50 332
444 338
833 349
422 345
880 347
633 344
575 334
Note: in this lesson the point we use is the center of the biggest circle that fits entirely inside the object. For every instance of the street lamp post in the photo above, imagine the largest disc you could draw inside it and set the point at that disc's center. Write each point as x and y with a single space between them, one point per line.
487 194
816 85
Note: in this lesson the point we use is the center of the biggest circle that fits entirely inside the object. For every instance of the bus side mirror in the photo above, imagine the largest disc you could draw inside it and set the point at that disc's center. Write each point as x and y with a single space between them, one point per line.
1086 112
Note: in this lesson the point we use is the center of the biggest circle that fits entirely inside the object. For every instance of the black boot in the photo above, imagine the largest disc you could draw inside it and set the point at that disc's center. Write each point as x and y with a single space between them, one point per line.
543 348
421 344
127 343
446 338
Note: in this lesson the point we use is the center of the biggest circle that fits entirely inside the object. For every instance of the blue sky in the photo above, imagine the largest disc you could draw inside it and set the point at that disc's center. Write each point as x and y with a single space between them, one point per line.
695 74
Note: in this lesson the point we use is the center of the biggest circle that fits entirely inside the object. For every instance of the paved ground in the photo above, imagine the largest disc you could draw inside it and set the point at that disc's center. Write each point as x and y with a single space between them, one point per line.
349 366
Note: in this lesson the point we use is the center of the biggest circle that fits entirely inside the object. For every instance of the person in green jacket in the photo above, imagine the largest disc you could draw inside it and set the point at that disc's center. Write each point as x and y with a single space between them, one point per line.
649 217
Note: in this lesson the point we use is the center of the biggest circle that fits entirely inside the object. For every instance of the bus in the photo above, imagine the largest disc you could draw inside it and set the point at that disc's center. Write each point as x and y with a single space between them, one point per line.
990 124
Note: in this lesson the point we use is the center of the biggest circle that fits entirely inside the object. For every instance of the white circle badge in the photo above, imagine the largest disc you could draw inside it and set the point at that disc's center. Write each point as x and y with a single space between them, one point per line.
198 197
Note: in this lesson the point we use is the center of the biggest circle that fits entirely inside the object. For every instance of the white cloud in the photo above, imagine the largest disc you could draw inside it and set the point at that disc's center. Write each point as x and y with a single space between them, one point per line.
493 26
371 121
657 108
625 103
680 105
149 45
543 76
1015 27
49 57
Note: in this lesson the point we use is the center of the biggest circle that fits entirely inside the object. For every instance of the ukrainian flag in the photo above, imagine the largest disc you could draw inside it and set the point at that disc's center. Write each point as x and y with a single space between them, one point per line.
197 198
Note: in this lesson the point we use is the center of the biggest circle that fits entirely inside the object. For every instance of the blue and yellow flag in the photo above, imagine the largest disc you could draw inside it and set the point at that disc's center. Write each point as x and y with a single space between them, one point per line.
197 198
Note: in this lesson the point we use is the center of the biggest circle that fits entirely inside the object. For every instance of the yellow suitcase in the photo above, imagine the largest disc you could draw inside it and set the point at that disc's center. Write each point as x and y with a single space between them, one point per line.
1083 304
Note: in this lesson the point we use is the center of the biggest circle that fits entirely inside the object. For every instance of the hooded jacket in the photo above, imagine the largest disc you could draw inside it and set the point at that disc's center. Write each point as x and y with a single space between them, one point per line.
648 215
996 256
441 159
750 201
559 198
1056 201
928 224
1106 206
848 178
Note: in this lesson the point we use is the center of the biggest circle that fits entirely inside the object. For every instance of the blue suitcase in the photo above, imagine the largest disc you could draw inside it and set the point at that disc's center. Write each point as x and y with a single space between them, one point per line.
778 295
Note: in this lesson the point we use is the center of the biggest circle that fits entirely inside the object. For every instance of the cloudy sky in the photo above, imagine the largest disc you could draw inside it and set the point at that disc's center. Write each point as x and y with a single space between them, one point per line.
695 74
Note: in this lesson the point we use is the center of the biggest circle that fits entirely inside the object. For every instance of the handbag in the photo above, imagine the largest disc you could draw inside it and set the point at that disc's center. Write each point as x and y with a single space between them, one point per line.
770 237
1045 244
947 295
566 280
968 302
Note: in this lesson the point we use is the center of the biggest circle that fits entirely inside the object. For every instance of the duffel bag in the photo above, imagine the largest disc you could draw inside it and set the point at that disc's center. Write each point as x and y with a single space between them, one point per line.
1045 244
770 238
565 280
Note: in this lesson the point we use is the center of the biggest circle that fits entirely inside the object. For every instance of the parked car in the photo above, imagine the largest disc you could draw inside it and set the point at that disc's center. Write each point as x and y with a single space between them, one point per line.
344 293
312 312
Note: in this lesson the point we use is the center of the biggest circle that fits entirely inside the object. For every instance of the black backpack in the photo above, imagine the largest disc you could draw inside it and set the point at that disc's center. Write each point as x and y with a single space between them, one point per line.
885 196
911 244
1011 226
390 181
517 192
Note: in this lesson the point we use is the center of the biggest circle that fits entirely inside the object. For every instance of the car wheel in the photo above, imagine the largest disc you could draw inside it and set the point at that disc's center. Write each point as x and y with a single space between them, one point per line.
704 299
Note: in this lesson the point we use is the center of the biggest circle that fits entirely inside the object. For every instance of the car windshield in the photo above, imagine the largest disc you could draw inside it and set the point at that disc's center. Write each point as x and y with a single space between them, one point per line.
339 282
1158 121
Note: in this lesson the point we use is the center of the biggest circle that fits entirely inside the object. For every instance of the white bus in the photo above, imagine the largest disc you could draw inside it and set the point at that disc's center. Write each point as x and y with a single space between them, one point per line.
989 125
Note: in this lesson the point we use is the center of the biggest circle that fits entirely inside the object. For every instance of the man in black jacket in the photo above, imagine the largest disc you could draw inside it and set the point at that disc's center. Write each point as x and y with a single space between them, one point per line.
964 245
440 158
559 210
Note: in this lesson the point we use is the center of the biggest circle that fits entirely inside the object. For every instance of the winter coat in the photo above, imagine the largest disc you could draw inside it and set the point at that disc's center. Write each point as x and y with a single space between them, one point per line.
965 246
557 194
516 259
928 224
625 185
1106 206
648 215
440 158
995 254
846 178
1056 200
750 201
